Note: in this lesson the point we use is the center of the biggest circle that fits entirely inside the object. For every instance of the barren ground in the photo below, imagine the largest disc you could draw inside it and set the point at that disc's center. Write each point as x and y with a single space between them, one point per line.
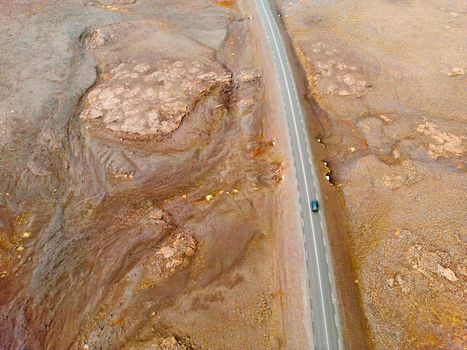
145 197
386 80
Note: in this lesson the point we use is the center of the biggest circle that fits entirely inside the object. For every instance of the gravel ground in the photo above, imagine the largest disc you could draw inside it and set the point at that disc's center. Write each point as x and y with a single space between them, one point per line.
387 83
142 177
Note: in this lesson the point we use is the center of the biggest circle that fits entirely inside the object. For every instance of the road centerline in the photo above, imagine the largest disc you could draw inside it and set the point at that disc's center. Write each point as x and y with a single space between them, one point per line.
301 177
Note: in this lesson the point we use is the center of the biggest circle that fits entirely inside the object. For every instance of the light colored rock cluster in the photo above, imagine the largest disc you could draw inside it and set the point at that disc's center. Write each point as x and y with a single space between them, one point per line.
250 74
171 343
167 343
334 73
426 259
158 216
443 144
406 174
175 254
146 100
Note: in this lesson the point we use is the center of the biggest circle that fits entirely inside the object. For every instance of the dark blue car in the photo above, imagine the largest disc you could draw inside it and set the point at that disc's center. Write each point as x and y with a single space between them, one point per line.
314 205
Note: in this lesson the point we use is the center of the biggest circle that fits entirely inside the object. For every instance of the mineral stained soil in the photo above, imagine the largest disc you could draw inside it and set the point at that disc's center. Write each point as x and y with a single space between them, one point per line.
387 81
140 180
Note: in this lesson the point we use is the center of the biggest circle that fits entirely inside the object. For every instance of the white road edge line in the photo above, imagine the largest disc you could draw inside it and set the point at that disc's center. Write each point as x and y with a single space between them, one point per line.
302 167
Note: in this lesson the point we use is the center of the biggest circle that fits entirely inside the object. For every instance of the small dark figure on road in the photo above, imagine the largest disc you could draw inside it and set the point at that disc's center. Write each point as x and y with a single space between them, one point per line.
314 205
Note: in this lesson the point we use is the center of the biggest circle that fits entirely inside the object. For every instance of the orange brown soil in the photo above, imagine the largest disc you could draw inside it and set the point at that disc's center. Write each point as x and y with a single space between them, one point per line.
141 205
387 81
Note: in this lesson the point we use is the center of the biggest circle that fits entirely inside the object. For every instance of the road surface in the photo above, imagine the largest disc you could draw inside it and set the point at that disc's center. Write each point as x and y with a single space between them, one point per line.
325 325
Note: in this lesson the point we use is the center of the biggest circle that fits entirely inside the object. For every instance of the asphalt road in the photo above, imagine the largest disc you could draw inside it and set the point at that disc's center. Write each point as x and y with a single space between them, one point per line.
325 325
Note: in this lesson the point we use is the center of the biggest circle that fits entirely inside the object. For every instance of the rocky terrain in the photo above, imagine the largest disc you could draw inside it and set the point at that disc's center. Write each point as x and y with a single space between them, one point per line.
386 82
142 177
146 199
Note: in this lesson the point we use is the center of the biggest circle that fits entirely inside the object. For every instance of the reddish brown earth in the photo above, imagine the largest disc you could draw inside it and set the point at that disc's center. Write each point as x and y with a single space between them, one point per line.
146 199
386 80
142 201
